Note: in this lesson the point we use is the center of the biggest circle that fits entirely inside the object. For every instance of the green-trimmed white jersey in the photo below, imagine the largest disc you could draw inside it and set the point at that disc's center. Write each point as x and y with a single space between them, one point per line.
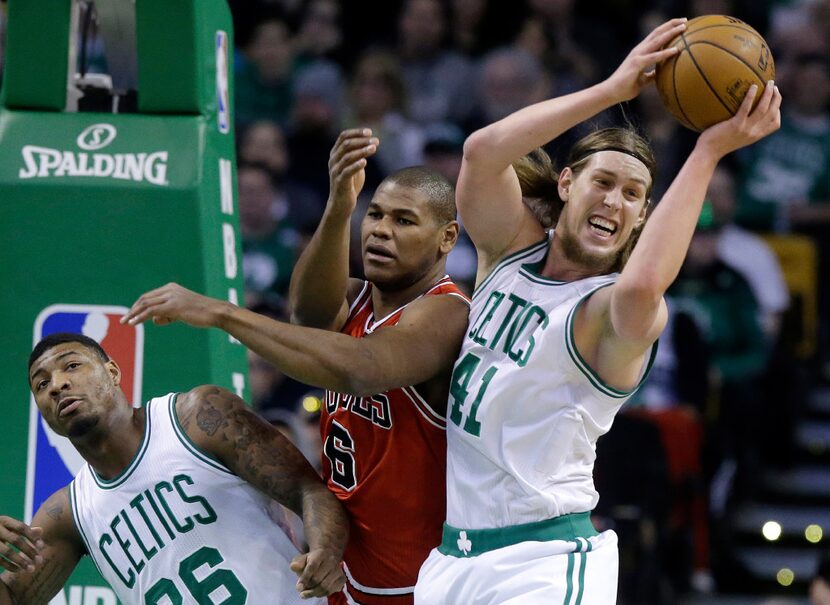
178 527
525 411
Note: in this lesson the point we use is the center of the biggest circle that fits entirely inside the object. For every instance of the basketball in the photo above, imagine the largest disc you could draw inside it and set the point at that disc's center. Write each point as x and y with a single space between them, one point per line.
720 58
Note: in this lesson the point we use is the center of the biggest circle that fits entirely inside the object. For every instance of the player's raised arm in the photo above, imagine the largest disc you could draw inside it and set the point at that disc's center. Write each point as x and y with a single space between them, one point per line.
221 424
39 558
320 280
489 197
423 343
658 256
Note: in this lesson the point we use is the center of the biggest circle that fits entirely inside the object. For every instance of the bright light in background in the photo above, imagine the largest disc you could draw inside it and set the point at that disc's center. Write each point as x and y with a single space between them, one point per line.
785 576
813 533
312 404
771 530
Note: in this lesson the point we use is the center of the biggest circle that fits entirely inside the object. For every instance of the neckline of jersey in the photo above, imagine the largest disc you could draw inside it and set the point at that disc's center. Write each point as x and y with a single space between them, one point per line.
125 474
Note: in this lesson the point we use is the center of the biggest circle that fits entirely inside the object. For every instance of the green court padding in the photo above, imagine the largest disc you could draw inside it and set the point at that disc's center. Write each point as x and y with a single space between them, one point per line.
96 208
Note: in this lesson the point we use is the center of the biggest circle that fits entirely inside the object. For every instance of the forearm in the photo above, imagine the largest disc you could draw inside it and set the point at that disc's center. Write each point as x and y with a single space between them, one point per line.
313 356
320 278
661 249
325 522
495 147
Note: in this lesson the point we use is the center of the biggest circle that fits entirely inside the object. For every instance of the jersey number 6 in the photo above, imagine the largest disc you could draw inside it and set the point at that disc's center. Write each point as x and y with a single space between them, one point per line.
339 449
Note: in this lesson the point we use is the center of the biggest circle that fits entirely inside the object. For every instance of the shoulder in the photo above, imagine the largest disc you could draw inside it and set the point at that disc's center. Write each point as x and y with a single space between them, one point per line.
205 396
204 410
440 307
447 287
530 243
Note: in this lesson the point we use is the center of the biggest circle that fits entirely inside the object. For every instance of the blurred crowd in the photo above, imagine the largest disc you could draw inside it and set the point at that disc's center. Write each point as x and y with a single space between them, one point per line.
749 332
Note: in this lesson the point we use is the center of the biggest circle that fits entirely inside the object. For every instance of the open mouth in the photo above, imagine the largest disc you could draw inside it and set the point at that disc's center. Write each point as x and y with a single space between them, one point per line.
379 253
68 405
602 226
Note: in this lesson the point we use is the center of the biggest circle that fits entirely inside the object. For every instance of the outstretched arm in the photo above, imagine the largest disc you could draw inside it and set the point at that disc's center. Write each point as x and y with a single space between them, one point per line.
44 553
425 341
489 197
658 256
320 280
221 424
618 324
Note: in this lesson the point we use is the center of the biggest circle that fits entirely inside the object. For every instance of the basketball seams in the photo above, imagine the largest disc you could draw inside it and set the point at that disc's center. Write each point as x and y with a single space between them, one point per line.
721 68
703 75
731 53
689 122
748 30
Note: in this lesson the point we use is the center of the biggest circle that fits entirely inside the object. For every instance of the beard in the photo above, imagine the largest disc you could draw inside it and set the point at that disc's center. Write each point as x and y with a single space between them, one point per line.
598 262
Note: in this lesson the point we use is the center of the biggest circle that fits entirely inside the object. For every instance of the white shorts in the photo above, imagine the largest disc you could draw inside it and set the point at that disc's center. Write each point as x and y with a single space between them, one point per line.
556 572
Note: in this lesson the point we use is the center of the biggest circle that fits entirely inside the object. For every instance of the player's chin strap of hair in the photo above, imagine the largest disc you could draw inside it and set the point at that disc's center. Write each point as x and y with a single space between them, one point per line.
593 150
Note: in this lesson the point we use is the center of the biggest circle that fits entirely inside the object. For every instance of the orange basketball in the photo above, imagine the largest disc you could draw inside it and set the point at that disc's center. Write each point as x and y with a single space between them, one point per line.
720 58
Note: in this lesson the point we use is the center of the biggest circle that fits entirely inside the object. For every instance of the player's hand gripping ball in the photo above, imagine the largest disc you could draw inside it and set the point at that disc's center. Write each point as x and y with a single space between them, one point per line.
720 58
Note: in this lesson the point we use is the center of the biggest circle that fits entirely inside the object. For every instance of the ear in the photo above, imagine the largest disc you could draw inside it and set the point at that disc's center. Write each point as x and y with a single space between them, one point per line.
566 179
449 236
643 213
114 372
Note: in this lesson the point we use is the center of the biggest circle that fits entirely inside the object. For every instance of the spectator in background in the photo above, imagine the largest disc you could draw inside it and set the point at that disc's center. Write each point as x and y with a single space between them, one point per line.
787 178
748 254
320 36
561 41
508 79
263 142
468 19
478 25
271 389
378 101
315 122
268 239
786 185
438 80
443 151
726 311
264 75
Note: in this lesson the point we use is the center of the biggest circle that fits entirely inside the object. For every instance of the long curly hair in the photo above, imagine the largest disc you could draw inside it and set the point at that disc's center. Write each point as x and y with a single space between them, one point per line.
539 178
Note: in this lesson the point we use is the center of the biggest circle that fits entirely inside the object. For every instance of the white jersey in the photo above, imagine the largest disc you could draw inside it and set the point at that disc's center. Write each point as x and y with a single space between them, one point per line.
525 411
178 527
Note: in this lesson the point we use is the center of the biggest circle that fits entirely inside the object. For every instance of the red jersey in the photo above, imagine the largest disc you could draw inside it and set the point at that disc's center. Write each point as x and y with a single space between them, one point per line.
385 457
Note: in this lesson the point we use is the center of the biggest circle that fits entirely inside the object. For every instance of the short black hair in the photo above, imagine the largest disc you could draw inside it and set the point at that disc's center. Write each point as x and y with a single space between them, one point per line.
59 338
439 191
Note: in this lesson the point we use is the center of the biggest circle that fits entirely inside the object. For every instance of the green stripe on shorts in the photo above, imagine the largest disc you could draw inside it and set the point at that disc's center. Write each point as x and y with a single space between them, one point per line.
473 542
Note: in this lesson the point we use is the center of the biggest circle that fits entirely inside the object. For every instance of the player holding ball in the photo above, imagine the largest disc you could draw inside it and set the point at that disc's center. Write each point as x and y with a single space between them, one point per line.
563 326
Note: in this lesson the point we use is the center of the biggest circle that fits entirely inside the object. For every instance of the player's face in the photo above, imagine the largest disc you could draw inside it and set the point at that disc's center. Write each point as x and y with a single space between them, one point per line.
73 388
603 205
401 240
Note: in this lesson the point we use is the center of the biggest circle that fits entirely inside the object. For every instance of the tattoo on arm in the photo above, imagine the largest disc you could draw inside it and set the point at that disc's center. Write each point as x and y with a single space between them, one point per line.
249 446
55 510
210 420
40 586
263 457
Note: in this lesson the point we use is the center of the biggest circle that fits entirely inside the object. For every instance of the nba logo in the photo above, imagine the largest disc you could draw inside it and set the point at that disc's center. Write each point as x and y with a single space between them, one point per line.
223 110
52 461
